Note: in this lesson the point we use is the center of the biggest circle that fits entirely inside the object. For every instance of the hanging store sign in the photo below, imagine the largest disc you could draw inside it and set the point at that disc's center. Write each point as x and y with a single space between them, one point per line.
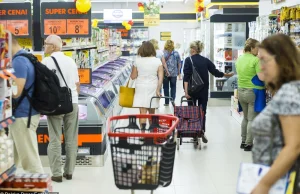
117 15
64 20
151 14
16 17
165 36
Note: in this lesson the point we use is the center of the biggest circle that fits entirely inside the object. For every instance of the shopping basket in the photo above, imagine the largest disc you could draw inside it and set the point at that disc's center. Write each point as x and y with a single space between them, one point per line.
142 159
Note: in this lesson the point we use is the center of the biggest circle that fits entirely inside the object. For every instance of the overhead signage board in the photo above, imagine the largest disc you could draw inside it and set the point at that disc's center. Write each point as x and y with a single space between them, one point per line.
165 36
16 17
64 20
117 15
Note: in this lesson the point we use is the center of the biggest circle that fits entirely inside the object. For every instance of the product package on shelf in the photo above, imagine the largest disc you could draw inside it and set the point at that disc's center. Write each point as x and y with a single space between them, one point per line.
22 182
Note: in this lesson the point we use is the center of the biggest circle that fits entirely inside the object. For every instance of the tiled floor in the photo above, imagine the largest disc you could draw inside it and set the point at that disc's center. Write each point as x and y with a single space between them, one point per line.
212 170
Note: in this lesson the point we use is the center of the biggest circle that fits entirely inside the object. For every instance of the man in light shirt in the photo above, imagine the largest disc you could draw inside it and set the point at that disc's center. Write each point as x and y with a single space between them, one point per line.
53 46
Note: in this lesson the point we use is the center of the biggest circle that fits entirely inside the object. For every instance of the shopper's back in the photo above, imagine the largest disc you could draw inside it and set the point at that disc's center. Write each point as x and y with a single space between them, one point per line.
53 46
69 71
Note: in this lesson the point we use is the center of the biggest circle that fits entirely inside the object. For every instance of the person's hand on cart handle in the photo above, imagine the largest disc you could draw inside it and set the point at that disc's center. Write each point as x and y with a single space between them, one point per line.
187 95
158 94
228 74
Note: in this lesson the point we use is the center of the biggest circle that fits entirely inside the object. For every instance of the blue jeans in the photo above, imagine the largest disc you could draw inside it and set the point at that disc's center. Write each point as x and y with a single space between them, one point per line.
169 82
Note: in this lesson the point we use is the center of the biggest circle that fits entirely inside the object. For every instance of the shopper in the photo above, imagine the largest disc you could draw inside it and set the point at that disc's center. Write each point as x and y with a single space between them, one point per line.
247 66
173 62
25 139
148 73
276 128
159 54
53 46
203 66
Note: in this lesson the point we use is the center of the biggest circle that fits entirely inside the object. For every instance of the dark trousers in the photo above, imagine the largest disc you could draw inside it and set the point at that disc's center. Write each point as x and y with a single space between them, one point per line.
169 83
203 103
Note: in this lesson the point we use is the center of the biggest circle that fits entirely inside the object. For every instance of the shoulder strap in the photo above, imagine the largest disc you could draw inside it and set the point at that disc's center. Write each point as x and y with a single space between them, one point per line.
169 56
192 62
57 66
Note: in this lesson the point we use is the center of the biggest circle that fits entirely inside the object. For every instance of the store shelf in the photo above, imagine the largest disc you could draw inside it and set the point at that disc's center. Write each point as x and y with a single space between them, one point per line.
102 50
104 63
5 175
8 121
228 46
74 48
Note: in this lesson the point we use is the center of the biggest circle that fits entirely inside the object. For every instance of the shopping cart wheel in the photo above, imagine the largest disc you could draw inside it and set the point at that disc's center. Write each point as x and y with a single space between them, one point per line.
199 140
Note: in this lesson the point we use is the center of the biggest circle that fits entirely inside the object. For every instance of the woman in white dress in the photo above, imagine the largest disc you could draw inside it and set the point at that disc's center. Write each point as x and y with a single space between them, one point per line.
148 73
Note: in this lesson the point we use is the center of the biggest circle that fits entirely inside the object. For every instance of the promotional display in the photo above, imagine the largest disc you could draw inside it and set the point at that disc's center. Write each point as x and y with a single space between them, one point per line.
16 18
64 20
151 14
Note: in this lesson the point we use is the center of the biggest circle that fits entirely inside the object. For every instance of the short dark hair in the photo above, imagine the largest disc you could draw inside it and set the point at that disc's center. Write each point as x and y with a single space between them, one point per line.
147 50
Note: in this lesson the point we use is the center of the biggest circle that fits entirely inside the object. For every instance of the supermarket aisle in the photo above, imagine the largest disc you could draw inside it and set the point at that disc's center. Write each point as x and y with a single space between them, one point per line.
212 170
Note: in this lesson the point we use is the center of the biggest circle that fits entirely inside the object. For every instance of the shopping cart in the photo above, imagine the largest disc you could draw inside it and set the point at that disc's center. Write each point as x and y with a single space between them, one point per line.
190 123
142 159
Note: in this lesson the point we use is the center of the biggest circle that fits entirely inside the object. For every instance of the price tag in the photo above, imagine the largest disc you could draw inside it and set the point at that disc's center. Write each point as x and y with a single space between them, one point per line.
18 27
78 26
3 23
85 76
53 26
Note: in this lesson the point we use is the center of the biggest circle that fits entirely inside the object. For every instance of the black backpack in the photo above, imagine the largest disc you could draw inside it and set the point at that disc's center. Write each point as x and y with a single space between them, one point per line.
196 83
45 97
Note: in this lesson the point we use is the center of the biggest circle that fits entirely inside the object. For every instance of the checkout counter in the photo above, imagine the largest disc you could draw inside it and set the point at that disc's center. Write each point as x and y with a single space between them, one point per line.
97 102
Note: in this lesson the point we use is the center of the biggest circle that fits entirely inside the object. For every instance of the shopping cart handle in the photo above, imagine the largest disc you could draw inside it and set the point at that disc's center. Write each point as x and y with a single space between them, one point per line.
187 100
155 97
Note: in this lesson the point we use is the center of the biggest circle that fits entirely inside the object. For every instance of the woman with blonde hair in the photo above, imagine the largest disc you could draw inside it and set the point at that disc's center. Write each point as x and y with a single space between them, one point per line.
172 70
276 128
247 67
202 66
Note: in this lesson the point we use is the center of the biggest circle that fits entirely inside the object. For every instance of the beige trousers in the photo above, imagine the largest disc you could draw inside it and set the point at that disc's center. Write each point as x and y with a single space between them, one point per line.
70 123
247 98
26 150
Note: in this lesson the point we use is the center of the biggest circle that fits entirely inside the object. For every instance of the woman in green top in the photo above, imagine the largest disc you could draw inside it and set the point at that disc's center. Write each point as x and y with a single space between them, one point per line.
247 67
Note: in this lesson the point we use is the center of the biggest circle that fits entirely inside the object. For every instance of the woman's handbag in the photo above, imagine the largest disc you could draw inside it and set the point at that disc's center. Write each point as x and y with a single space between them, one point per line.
196 83
126 96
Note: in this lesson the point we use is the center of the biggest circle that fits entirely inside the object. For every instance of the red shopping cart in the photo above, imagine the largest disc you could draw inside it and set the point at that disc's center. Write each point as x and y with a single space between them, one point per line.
140 161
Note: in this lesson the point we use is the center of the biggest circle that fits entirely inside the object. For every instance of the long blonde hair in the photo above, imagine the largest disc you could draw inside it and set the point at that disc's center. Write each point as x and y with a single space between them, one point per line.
169 45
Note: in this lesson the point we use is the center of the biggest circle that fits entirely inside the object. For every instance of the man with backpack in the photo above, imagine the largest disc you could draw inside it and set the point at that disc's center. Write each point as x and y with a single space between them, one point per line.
23 130
66 70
